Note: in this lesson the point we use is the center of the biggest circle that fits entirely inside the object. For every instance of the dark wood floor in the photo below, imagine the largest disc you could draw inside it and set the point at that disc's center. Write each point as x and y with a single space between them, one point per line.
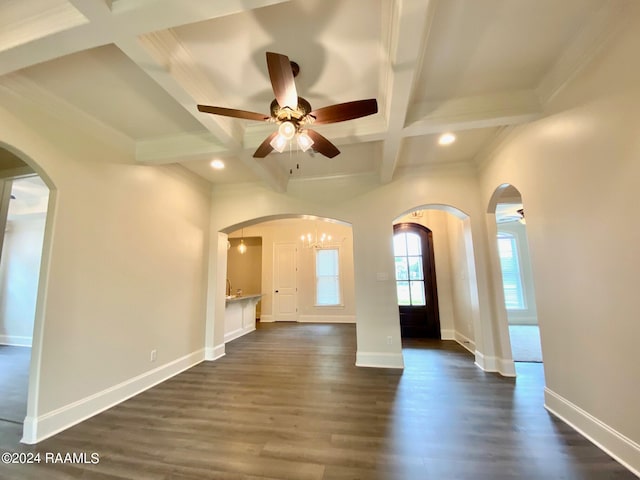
287 402
14 382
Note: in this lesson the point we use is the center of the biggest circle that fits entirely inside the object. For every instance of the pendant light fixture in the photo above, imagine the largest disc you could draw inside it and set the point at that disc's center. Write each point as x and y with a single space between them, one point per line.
242 248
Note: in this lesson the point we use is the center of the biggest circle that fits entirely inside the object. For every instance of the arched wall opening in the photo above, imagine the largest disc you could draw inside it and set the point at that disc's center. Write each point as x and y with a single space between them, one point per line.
515 291
300 268
26 212
454 264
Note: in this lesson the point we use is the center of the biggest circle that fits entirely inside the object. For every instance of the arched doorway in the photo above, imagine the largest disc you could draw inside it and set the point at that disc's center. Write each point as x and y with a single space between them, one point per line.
305 269
416 281
518 292
26 201
455 277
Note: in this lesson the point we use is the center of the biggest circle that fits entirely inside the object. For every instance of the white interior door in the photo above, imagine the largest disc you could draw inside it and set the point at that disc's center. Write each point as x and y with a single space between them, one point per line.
285 291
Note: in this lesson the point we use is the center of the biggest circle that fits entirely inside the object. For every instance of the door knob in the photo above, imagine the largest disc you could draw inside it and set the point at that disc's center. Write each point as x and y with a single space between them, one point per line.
276 291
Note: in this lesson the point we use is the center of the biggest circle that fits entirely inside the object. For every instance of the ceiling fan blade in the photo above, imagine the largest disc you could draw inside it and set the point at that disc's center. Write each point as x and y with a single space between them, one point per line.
232 112
322 145
281 75
345 111
265 147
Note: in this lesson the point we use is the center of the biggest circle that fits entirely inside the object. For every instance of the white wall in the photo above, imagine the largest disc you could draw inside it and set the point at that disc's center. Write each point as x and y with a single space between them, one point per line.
578 171
124 270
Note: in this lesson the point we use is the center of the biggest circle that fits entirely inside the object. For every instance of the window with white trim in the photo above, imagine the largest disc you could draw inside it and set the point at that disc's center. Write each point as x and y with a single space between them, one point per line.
511 277
328 277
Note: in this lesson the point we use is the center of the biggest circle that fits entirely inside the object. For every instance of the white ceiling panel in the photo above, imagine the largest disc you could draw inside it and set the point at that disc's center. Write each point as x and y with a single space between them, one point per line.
480 47
337 44
235 171
106 84
425 150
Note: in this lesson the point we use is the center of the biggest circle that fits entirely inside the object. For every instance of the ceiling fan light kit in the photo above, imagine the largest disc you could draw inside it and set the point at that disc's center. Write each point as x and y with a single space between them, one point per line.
294 114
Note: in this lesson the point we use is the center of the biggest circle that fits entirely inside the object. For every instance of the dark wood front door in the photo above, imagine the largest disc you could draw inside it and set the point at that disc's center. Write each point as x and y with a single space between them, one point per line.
416 281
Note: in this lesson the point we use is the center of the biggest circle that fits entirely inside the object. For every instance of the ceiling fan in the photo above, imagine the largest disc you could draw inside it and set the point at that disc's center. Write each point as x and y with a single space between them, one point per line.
293 114
508 214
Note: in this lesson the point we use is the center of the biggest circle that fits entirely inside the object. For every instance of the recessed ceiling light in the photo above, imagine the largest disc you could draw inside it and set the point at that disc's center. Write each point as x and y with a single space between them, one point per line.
447 139
217 164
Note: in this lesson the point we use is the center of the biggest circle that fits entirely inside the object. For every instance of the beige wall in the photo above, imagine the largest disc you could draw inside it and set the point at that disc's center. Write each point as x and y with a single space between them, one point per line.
460 259
578 171
123 274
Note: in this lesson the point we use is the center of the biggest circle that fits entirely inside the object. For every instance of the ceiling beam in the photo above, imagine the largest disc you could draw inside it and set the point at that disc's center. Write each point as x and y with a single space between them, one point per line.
410 30
465 113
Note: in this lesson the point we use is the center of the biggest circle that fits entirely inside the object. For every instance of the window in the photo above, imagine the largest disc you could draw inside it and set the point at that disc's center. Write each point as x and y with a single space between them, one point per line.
327 277
407 250
511 279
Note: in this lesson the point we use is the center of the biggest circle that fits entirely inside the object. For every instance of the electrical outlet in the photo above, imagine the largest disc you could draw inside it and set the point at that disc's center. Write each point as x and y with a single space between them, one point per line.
389 340
154 355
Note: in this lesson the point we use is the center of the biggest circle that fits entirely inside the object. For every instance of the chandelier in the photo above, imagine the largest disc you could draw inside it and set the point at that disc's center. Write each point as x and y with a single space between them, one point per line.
309 241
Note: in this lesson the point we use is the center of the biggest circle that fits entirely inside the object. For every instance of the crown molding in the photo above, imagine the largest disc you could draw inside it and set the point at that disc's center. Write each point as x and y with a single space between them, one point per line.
27 91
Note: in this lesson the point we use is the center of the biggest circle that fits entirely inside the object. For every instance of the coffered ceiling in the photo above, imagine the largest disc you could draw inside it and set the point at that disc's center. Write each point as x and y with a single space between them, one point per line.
133 71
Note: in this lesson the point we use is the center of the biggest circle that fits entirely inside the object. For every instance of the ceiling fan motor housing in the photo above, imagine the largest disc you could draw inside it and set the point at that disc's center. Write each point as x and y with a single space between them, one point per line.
280 114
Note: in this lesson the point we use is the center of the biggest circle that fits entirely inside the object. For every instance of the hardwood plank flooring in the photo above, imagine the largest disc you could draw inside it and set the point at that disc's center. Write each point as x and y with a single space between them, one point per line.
287 402
14 382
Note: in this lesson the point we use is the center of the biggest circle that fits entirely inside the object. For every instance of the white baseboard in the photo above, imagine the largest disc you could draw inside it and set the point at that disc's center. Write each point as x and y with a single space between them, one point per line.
446 334
214 353
379 360
506 368
465 342
16 340
44 426
327 318
238 333
266 318
622 448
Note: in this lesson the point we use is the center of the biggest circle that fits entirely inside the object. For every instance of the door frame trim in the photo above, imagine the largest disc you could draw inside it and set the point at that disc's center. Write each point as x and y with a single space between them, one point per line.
410 226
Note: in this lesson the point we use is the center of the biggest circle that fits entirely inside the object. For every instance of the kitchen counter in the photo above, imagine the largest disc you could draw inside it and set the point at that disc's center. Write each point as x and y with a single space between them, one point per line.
240 298
240 315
